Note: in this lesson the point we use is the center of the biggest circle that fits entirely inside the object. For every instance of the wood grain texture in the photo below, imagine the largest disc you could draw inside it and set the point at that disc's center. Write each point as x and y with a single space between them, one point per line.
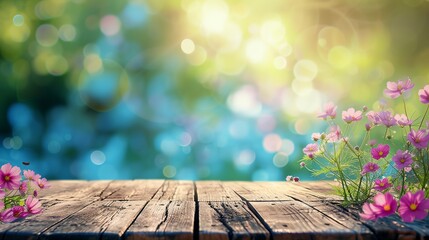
229 220
295 220
131 190
257 192
108 219
215 191
176 190
164 220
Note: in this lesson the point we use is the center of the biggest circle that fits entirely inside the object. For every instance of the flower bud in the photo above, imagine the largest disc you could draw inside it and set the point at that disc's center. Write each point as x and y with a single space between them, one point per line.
296 179
302 164
367 126
357 148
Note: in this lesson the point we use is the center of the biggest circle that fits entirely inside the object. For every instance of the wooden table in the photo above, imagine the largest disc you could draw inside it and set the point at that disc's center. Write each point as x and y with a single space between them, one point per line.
158 209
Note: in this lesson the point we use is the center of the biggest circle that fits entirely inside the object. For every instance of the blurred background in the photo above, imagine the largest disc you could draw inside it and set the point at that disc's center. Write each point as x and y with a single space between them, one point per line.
193 89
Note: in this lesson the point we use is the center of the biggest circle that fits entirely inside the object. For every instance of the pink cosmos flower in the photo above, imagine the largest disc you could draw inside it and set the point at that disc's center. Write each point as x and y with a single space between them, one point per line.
7 216
13 213
373 117
382 184
384 204
334 134
311 149
387 119
30 175
402 120
372 142
10 176
23 187
43 183
351 115
368 214
316 136
381 151
419 138
424 95
369 167
330 110
33 205
396 89
402 159
413 206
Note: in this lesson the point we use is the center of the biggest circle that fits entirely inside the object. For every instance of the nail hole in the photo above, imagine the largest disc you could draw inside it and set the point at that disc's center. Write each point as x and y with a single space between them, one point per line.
284 225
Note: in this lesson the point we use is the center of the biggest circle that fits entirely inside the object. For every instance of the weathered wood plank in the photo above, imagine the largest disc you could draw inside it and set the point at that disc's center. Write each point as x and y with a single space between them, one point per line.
131 190
344 217
229 220
257 192
108 219
215 191
295 220
83 190
164 220
176 190
295 191
32 226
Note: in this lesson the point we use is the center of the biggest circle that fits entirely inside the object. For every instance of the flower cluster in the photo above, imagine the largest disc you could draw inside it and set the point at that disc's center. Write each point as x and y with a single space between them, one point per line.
18 197
380 158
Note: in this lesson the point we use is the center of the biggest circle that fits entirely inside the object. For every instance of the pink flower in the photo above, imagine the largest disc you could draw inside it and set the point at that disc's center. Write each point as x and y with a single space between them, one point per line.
387 119
413 206
372 142
382 184
402 159
402 120
373 117
23 187
2 194
396 89
369 167
381 151
289 178
418 138
311 149
351 115
316 136
10 177
424 95
7 216
13 213
330 110
368 214
30 175
334 134
43 183
384 204
33 205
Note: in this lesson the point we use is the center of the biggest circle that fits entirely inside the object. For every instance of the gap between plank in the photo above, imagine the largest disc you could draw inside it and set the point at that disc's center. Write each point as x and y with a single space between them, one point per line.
141 210
197 215
253 210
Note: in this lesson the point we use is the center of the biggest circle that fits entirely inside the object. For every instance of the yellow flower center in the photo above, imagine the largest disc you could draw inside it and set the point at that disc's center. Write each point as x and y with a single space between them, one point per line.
380 153
413 206
402 160
381 184
386 207
371 167
7 178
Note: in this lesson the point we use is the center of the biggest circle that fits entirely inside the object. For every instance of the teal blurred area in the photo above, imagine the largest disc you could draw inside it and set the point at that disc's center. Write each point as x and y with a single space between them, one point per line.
193 89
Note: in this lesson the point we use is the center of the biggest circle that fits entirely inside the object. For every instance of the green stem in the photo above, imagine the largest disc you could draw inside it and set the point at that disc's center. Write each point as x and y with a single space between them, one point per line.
424 116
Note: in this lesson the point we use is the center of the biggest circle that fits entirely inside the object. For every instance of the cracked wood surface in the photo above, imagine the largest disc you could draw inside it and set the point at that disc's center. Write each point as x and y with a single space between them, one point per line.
164 209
